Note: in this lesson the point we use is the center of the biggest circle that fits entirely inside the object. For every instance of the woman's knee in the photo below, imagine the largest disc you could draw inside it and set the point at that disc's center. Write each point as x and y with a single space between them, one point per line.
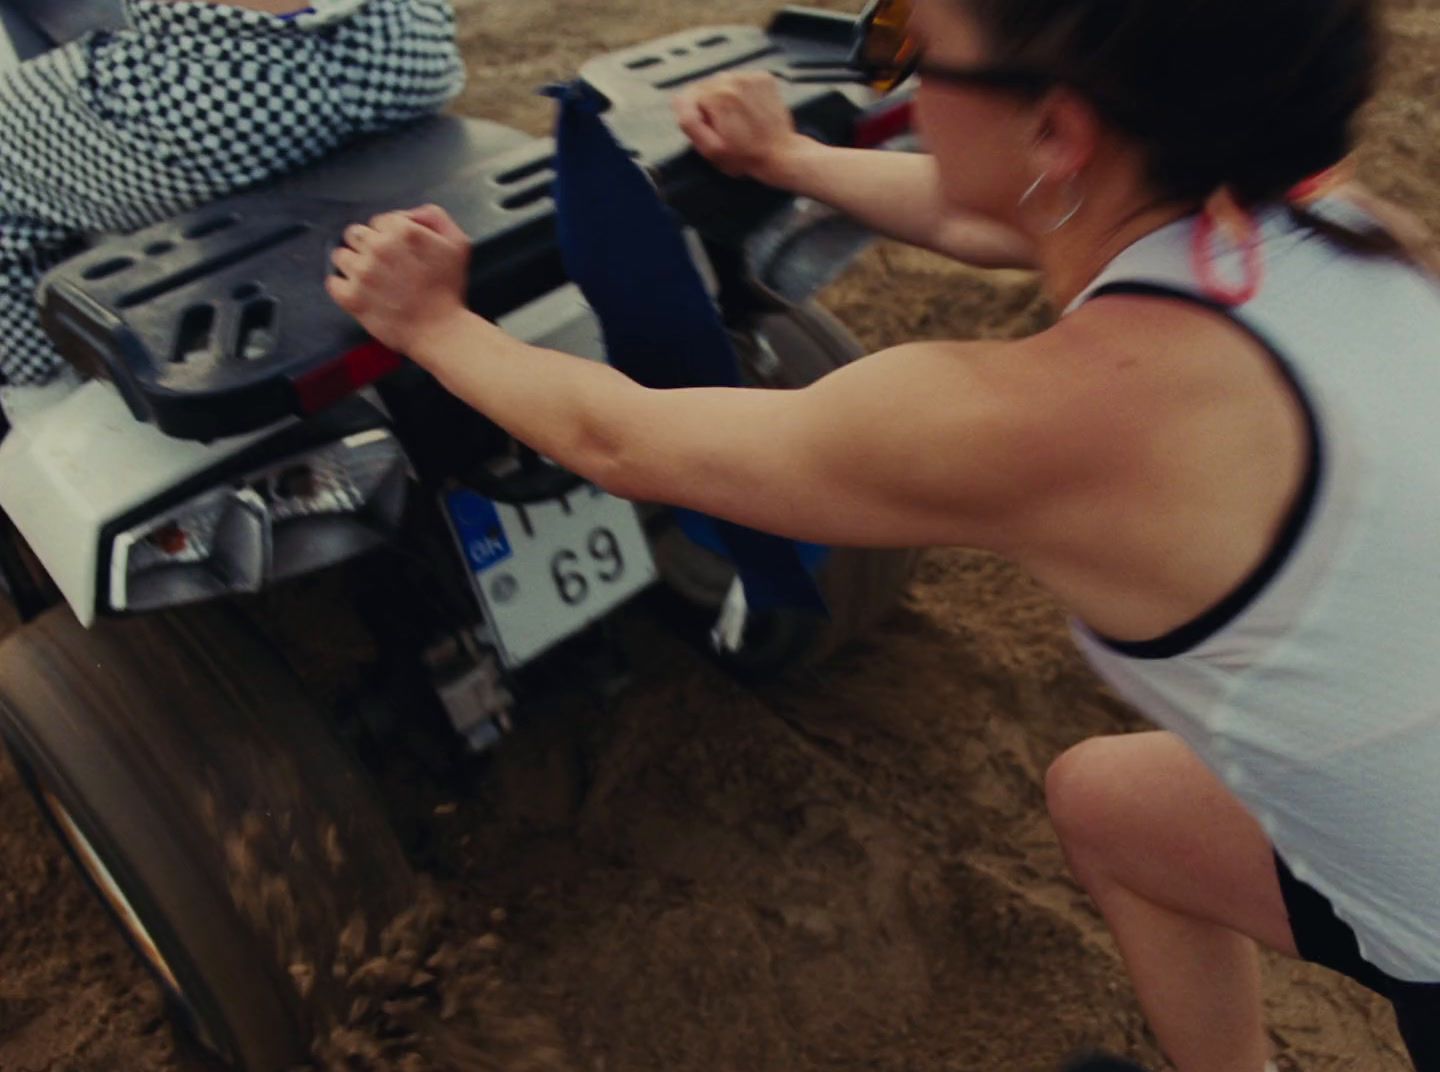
1141 812
1082 795
1103 797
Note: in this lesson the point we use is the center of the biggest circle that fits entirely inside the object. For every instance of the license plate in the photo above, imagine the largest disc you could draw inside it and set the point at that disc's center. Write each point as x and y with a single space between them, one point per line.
544 571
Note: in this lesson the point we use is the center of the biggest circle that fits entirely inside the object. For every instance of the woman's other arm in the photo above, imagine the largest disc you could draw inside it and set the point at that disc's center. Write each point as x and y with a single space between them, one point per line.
741 124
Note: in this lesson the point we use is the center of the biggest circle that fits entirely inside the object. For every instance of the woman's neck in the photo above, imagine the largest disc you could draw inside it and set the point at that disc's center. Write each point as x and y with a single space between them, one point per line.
1071 258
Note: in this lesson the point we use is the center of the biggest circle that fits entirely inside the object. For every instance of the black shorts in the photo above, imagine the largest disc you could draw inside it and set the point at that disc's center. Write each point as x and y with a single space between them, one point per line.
1325 939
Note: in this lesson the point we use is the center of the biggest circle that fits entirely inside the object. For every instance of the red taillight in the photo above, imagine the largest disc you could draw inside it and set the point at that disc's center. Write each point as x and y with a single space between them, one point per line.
884 122
322 387
170 539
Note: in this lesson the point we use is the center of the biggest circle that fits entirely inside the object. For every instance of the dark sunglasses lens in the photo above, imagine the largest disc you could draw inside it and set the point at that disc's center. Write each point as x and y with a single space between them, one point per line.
887 51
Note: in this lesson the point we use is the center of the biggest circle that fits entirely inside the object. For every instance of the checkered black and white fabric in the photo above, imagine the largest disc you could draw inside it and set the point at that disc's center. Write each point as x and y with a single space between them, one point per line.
192 102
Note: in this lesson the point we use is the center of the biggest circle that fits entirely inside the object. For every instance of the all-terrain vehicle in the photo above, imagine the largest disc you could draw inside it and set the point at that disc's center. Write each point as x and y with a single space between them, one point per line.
235 469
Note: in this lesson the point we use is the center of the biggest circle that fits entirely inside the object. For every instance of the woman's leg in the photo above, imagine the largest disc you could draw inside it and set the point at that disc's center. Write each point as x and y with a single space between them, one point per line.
1186 881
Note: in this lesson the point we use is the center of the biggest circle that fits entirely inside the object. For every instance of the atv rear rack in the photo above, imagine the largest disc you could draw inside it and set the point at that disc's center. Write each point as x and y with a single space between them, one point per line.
217 323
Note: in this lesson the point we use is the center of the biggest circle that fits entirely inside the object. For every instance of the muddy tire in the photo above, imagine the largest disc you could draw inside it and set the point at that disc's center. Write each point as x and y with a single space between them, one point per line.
232 839
790 350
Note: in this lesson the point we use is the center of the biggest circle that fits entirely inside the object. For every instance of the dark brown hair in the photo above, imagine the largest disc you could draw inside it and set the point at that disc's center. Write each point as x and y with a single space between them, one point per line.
1253 95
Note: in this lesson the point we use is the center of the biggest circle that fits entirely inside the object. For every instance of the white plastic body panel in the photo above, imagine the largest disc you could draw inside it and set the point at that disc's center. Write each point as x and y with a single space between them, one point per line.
70 467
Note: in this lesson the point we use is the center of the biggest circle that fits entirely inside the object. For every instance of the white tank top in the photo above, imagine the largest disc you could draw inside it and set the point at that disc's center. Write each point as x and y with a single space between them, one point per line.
1313 690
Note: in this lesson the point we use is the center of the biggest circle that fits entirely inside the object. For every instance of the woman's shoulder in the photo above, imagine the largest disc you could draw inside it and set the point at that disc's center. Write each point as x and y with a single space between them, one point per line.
1168 333
1118 374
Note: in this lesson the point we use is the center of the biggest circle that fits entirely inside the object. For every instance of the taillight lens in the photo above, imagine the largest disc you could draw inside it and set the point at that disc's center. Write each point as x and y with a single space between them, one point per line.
296 516
322 387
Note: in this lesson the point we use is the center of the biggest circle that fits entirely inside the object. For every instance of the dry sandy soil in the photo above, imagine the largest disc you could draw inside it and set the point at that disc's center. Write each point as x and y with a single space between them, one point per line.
853 871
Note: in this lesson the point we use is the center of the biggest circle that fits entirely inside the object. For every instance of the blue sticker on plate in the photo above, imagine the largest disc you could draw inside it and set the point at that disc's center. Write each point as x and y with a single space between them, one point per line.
477 523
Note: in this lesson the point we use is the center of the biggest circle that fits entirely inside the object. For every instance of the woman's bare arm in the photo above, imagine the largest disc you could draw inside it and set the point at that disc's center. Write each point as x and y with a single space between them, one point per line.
898 195
931 443
741 123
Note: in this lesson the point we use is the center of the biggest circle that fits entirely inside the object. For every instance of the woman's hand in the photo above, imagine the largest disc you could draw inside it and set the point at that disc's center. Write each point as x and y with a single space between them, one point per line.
740 123
403 275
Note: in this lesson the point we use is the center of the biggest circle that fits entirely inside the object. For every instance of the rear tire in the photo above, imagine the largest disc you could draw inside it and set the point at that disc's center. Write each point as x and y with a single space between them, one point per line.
228 834
789 350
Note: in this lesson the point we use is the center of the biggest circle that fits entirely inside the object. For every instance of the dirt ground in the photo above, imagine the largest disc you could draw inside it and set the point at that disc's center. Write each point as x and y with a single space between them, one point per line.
852 871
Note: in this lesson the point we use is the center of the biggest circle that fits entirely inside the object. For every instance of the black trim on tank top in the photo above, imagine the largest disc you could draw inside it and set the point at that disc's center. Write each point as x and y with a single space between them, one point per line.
1201 628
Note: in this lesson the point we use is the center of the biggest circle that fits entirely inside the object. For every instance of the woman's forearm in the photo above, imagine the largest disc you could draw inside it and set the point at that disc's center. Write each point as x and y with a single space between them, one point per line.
556 403
899 195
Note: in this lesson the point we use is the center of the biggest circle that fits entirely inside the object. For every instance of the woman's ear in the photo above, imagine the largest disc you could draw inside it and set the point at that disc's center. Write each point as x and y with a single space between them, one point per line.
1067 134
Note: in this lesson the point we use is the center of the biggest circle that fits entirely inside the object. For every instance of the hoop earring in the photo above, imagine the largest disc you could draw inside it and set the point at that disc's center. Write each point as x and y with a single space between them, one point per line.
1077 199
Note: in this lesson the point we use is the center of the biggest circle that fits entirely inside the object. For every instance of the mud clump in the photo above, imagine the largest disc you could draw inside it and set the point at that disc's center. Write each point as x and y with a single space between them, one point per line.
431 1003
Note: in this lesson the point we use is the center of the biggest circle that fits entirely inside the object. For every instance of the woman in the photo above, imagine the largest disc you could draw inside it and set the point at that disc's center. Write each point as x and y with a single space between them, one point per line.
194 100
1220 458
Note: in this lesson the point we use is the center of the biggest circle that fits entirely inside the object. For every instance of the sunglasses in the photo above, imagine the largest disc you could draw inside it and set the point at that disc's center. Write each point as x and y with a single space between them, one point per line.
886 53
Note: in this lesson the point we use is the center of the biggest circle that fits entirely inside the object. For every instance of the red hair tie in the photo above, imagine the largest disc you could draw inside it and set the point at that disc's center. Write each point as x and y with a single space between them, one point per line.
1222 211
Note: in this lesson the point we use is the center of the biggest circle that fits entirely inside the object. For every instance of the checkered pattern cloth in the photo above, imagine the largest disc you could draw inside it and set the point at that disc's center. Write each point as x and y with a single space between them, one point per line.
192 102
